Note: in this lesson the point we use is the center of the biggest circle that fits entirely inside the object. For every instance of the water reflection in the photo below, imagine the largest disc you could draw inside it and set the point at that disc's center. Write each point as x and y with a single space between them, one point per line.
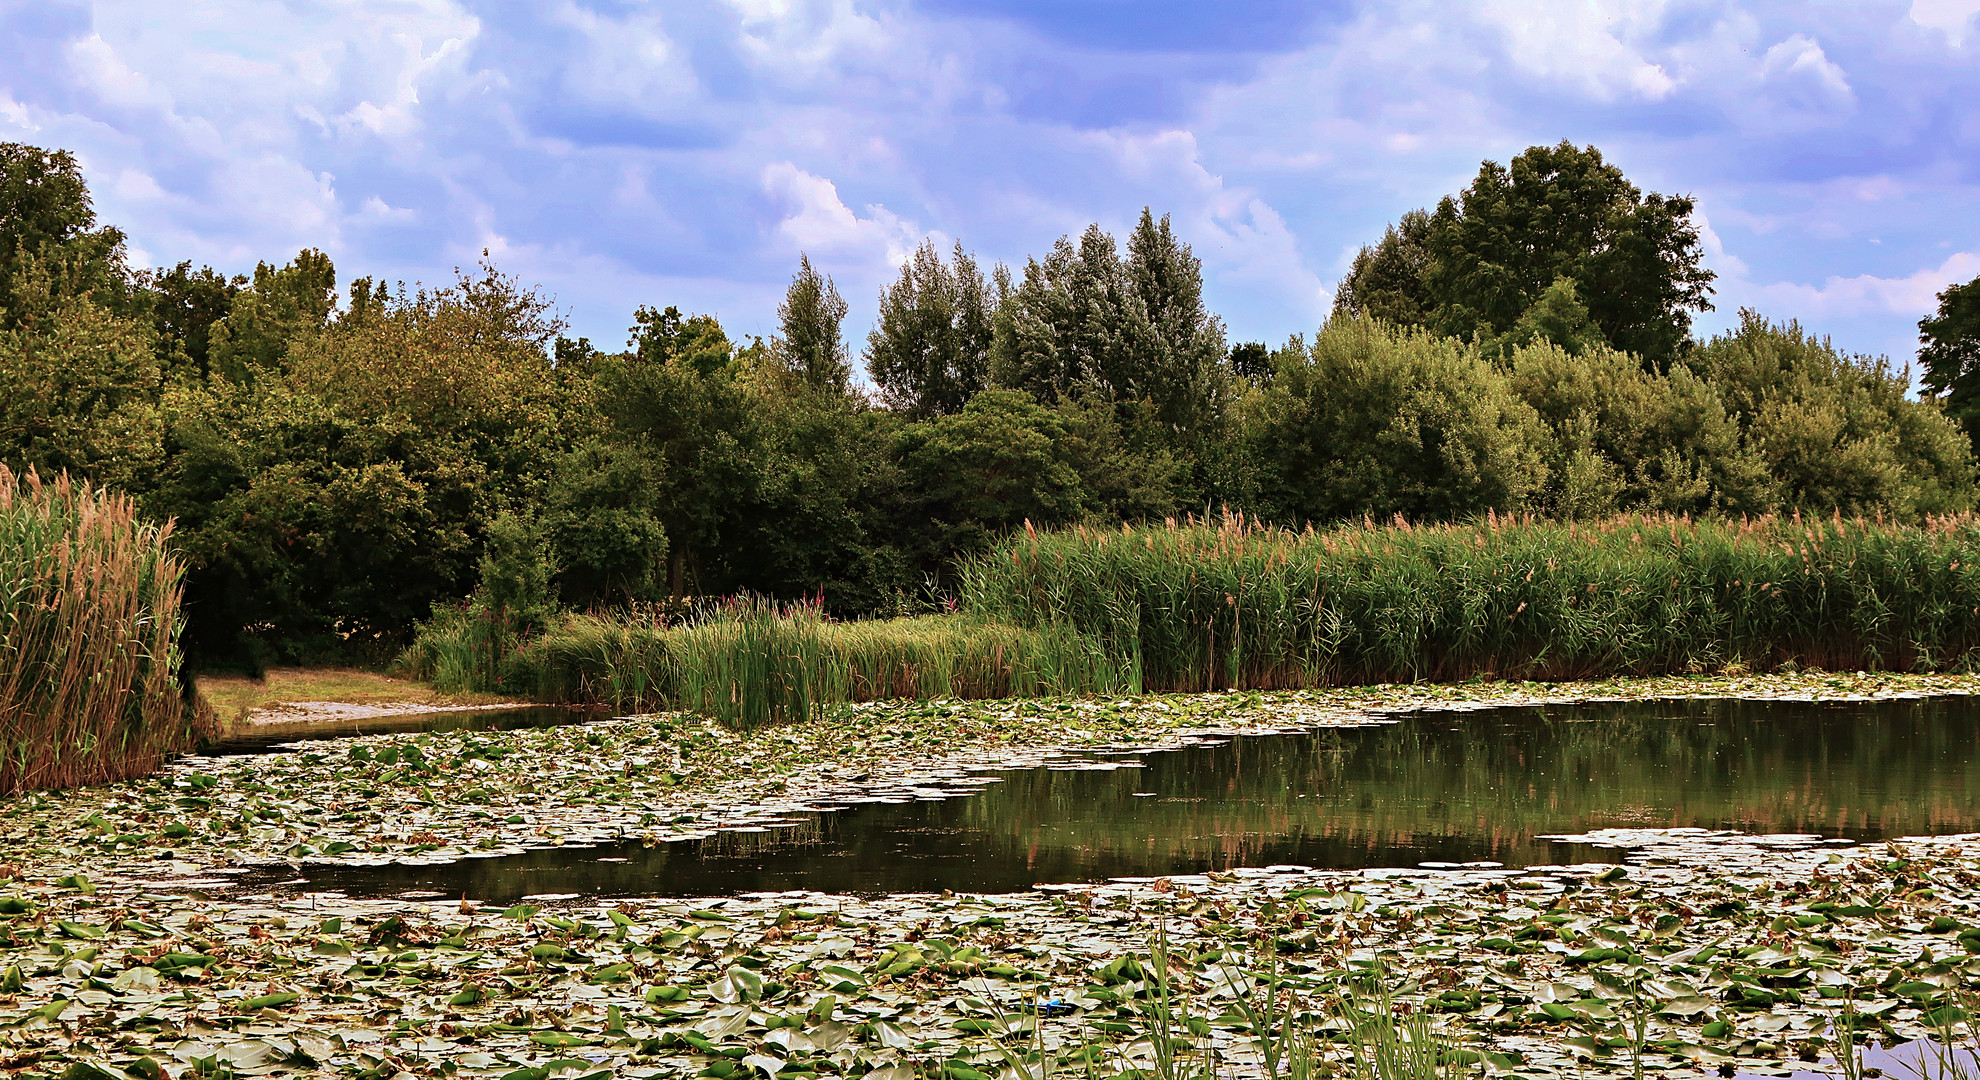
1450 787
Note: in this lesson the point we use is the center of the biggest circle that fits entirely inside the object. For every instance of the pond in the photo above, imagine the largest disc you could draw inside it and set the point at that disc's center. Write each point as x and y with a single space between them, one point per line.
1435 788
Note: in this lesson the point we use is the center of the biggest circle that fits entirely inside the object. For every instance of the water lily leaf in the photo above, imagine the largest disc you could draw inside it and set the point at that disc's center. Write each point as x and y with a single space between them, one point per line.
77 882
561 1040
470 995
269 1001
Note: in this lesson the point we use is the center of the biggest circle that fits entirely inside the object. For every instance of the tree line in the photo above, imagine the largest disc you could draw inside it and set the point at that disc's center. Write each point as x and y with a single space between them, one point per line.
341 460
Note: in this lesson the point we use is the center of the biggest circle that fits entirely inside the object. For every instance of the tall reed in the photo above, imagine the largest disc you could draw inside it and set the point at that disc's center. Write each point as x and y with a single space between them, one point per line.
1202 605
752 661
89 617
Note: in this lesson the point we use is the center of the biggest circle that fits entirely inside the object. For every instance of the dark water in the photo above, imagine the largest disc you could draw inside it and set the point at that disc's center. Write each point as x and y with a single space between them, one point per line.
275 738
1446 787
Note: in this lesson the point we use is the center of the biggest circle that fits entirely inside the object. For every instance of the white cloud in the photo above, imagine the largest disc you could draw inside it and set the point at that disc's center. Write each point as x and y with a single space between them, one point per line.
817 220
378 210
1910 296
1800 62
1585 44
1952 18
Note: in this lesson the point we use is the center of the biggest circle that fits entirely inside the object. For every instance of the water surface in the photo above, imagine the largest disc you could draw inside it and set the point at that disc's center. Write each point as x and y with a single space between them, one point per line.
1438 787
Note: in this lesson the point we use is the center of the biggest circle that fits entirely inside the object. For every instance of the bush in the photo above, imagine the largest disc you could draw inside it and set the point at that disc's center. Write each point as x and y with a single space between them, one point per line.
1380 421
89 658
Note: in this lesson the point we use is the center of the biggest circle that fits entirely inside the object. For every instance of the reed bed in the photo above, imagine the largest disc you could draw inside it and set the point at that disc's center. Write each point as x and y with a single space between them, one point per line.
1205 605
752 661
89 618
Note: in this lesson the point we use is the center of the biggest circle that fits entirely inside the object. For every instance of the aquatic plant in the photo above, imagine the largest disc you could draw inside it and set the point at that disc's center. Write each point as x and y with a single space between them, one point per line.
1211 604
89 687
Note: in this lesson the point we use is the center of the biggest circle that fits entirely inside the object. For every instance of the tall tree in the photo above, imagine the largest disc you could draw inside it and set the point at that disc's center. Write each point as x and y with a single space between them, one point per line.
1949 350
1088 322
1487 255
930 350
268 319
808 329
46 219
1175 347
184 308
1389 281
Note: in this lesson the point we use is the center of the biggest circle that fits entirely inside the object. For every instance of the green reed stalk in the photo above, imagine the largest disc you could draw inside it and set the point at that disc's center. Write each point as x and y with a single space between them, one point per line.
1202 605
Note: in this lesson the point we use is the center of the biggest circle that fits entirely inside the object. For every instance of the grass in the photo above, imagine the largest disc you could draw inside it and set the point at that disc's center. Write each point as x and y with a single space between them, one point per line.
752 661
1202 605
1197 606
236 696
89 621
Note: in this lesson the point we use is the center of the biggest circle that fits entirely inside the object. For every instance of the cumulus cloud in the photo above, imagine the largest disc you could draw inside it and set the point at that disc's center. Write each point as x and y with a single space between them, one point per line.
816 220
685 152
1953 18
1913 295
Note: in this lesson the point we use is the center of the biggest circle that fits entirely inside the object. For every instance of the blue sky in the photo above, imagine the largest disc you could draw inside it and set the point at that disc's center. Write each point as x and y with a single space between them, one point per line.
685 152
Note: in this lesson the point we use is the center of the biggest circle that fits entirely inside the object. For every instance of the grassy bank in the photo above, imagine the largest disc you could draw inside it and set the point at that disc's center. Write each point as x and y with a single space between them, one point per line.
1198 606
282 691
89 688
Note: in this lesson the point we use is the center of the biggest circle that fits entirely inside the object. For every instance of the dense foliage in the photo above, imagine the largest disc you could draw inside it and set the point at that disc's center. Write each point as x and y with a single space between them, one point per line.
342 460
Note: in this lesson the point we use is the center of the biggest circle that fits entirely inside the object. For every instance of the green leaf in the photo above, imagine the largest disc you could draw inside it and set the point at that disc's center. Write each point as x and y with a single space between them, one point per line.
77 882
80 931
270 1001
560 1040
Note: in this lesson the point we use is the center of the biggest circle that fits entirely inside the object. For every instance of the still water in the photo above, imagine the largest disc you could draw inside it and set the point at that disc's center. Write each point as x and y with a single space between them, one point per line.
1438 787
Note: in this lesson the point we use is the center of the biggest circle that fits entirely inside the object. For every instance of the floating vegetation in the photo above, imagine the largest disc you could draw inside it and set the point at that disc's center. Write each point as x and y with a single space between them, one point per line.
128 949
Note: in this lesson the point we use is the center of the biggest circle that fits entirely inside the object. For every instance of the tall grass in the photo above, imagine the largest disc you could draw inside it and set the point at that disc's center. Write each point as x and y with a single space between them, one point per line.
89 614
1204 605
752 661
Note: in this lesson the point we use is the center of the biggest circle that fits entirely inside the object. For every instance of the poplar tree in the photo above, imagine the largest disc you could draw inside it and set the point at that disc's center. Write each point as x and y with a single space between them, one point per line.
929 353
808 330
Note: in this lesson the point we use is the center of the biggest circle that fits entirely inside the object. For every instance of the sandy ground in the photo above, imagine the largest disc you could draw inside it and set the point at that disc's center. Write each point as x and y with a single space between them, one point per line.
313 712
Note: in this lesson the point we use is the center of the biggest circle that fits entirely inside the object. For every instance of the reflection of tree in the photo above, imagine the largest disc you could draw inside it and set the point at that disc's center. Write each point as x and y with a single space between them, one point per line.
1497 779
1480 785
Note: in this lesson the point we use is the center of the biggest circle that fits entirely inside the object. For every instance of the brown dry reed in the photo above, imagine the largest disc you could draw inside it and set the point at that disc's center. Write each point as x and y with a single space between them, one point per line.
89 618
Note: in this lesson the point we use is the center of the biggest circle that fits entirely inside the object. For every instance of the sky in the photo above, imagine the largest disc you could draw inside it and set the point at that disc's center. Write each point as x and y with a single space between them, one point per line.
685 153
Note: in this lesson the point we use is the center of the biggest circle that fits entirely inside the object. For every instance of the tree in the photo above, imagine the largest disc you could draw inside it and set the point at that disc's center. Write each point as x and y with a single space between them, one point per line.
929 353
1837 431
808 330
1086 321
1390 280
1950 354
271 315
1477 264
185 306
1382 420
46 218
1174 347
